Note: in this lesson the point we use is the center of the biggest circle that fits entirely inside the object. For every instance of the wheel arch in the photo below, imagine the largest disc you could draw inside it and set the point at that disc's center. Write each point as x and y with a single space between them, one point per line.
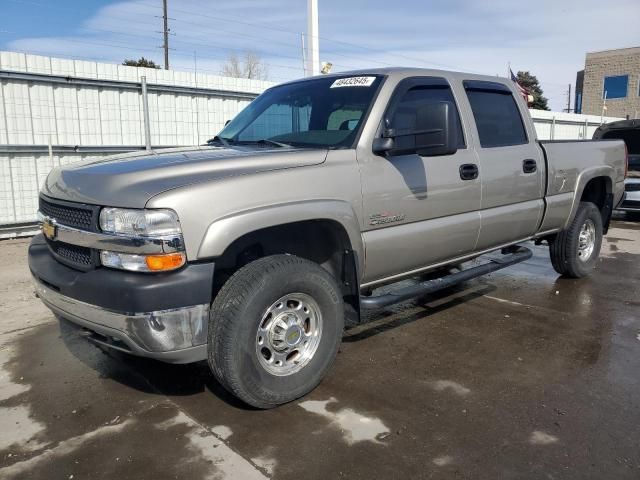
325 232
594 185
224 231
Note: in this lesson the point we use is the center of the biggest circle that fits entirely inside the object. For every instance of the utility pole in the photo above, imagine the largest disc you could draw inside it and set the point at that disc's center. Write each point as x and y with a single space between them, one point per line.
165 17
313 43
304 56
569 100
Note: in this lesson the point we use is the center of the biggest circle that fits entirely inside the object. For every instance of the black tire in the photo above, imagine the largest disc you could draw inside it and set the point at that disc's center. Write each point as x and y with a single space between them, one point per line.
566 256
238 311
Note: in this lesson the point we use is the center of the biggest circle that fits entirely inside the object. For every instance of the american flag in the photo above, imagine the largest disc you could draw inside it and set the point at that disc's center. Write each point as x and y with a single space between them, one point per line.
523 91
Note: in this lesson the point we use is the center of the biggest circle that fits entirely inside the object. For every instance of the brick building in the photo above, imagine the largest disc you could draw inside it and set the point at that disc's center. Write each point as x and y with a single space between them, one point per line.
616 72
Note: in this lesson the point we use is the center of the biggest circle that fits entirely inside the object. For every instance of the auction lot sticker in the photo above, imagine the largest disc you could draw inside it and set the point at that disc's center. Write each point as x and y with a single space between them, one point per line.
353 82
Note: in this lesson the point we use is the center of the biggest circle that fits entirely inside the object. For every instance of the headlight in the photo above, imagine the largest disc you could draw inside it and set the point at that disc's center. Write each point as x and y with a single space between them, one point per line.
143 263
140 223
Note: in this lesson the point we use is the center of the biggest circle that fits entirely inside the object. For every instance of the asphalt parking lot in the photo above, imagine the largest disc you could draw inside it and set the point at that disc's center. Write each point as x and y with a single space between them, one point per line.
520 374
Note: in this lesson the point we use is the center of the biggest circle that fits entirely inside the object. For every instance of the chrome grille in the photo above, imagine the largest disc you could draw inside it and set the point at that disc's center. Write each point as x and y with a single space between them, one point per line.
73 253
77 217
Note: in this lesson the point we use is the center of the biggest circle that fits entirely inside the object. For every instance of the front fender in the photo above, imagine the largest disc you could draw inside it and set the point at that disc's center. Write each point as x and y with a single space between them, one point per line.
224 231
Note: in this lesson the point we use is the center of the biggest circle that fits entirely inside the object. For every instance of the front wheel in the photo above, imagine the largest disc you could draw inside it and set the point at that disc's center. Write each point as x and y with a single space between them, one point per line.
274 330
575 250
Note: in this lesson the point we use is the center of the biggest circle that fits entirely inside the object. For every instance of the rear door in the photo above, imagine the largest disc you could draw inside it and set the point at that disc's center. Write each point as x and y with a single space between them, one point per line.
418 210
512 168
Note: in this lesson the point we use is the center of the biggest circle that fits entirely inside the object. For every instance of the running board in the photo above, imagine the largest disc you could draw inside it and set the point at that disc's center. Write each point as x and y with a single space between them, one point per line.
512 255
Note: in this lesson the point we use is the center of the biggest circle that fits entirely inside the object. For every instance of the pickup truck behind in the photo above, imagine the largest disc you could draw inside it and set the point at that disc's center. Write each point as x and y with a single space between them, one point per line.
629 132
252 251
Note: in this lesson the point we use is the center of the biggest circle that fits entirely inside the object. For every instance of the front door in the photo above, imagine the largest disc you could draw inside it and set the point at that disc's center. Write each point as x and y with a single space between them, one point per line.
418 210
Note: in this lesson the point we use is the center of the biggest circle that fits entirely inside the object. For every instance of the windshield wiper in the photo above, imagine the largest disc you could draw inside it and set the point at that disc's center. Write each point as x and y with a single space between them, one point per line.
217 139
263 141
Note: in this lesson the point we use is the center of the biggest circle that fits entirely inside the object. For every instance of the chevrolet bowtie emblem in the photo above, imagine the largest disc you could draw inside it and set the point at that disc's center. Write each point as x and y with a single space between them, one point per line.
49 229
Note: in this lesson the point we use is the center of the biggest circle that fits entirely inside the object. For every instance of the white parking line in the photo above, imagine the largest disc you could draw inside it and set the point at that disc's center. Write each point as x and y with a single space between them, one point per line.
510 302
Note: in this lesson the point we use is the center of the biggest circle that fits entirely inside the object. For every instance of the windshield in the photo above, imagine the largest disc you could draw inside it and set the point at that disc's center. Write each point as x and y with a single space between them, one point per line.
325 113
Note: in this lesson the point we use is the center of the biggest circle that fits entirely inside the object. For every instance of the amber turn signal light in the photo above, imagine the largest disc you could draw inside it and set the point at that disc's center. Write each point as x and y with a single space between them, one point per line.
159 263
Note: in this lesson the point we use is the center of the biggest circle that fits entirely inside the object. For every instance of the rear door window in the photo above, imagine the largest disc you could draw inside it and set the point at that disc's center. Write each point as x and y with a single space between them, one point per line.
496 114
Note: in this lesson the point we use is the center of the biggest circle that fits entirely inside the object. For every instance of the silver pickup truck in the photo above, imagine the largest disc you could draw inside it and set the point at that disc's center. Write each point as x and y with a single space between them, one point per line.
253 251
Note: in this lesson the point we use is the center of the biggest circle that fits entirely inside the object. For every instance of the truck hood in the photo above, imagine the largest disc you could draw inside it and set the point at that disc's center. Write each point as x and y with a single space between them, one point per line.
130 180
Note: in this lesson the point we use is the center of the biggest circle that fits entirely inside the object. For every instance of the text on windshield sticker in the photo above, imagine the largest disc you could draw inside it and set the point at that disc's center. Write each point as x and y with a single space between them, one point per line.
353 82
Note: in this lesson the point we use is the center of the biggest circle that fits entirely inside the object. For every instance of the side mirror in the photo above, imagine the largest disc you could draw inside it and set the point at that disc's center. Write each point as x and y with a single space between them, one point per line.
438 121
383 145
435 132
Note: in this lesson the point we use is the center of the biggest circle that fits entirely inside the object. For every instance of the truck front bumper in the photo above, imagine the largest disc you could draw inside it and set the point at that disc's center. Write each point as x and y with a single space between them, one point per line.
161 316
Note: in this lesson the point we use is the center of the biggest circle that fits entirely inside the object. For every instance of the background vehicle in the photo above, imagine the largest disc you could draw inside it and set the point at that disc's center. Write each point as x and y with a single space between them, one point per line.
252 251
629 131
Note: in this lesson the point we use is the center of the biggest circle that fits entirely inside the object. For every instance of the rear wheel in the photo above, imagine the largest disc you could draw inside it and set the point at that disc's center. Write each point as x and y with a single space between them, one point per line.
274 330
575 250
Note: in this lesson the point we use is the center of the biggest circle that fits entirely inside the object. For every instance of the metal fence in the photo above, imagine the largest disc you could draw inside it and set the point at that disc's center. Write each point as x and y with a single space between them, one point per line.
566 126
56 111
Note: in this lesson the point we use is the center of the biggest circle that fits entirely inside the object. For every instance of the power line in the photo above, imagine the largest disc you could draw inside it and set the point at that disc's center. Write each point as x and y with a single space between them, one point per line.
227 19
276 29
186 53
190 51
151 49
187 22
112 61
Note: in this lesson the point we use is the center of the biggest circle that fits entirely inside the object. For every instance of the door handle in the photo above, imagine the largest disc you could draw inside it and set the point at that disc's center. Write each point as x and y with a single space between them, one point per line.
529 165
468 171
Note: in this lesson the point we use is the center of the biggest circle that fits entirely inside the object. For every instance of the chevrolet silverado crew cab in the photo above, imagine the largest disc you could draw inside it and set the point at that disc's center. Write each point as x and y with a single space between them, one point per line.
253 251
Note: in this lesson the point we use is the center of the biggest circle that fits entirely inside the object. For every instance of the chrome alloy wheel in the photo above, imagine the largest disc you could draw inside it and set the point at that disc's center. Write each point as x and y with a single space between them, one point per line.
586 240
289 334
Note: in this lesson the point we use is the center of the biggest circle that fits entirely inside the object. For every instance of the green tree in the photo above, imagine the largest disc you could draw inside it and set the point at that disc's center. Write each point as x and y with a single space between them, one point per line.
141 62
531 84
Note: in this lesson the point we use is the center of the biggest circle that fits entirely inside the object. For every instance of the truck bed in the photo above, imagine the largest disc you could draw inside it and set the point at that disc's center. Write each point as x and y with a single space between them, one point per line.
569 160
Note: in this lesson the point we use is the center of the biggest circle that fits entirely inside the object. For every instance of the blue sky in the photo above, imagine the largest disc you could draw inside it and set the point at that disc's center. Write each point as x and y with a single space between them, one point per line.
547 37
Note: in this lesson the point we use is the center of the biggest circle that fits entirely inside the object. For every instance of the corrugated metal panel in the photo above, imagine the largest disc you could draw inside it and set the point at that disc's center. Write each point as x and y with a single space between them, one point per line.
18 112
25 187
42 113
110 119
7 209
566 126
43 116
67 115
4 134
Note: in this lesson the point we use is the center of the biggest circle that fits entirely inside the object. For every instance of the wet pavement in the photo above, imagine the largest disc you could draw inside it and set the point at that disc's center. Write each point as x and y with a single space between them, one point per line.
520 374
